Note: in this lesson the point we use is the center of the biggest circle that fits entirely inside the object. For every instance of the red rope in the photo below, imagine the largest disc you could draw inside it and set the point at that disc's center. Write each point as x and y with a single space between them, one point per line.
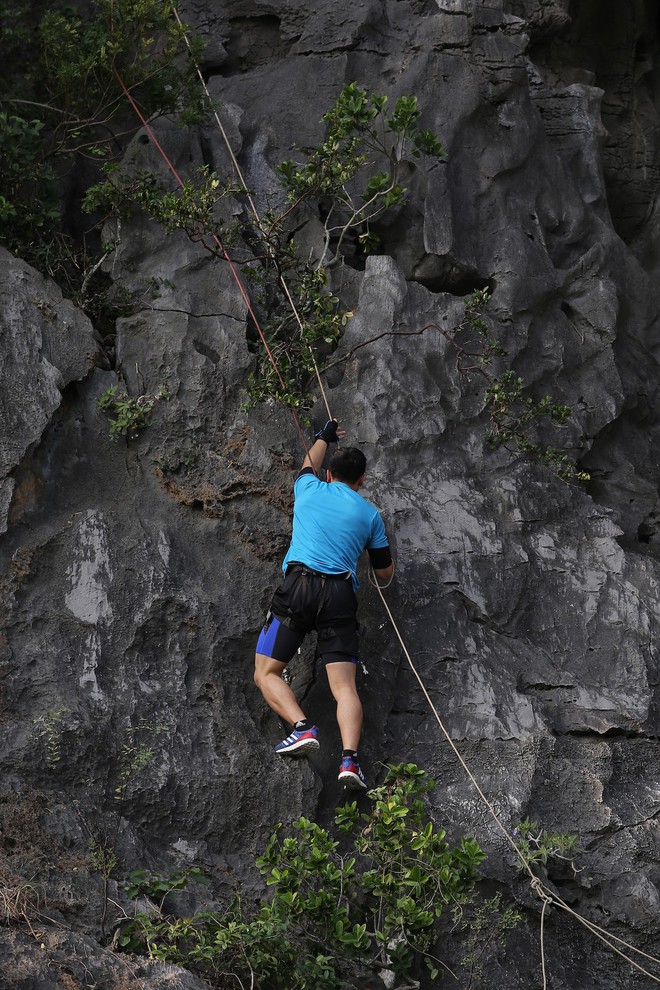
222 249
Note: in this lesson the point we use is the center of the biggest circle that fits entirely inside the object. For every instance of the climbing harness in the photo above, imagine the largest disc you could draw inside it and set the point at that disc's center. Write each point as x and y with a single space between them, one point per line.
547 896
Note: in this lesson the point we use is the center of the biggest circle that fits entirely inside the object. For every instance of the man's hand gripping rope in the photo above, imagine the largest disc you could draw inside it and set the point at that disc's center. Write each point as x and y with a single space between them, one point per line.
330 433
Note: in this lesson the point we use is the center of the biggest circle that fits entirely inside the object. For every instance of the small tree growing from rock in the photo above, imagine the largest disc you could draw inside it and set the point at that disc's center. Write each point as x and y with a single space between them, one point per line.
344 909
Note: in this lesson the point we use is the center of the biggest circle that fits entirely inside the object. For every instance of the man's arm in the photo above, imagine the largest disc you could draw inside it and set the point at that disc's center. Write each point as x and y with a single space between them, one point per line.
384 573
381 562
329 434
315 456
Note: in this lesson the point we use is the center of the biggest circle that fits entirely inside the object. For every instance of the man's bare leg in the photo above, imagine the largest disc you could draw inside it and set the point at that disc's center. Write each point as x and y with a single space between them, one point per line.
341 678
277 693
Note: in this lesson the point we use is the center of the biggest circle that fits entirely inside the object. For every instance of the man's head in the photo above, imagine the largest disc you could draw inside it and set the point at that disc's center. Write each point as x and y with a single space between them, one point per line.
348 464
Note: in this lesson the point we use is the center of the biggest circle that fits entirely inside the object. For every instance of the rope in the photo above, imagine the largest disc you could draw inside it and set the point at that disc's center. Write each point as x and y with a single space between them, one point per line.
547 896
609 939
374 580
537 886
255 212
475 783
220 246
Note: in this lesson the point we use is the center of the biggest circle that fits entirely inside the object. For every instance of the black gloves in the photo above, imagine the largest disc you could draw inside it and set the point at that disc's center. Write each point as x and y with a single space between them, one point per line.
329 432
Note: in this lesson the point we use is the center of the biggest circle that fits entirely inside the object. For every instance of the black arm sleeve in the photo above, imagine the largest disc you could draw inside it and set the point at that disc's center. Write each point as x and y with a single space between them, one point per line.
305 470
380 557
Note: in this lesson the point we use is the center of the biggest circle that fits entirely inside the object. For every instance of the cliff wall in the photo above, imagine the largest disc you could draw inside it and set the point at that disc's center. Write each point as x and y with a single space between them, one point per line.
135 576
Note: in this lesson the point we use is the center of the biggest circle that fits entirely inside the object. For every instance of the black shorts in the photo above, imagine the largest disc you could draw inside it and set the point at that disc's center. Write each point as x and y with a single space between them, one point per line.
307 600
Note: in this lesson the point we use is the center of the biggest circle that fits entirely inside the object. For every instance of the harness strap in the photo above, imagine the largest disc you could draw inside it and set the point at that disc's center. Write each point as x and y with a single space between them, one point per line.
296 568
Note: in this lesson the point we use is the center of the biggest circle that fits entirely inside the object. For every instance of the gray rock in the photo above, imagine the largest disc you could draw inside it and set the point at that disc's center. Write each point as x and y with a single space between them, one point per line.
46 344
56 958
135 575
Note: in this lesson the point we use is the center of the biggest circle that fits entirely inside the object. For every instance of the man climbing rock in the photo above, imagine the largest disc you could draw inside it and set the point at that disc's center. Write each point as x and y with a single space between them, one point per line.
332 525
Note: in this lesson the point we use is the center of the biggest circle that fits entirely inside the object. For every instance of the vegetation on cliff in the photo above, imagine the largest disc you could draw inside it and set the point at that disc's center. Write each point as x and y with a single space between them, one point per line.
65 124
382 893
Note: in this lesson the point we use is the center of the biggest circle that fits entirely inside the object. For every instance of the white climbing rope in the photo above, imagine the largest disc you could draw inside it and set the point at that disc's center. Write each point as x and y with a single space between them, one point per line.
374 580
253 206
547 896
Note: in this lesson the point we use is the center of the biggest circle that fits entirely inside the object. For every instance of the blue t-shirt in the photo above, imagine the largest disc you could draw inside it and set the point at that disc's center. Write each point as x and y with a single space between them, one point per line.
332 525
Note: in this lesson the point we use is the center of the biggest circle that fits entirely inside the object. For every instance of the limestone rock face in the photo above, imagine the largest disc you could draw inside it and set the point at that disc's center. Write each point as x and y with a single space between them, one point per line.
46 344
135 575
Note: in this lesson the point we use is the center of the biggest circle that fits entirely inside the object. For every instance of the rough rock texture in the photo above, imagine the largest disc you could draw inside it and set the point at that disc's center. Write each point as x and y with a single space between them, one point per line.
46 344
135 577
64 961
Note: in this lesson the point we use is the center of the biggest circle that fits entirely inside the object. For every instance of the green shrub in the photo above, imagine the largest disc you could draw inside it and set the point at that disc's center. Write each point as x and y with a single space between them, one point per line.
351 179
128 416
29 193
342 907
66 109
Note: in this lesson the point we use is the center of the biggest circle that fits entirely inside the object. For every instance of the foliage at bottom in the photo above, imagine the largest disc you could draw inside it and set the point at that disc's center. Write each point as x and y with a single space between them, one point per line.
344 907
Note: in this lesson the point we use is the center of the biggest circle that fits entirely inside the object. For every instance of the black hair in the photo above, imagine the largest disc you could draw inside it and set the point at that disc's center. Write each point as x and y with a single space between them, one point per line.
347 464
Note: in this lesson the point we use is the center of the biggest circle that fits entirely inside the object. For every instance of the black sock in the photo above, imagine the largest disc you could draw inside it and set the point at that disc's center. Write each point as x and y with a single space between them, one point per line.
302 725
350 752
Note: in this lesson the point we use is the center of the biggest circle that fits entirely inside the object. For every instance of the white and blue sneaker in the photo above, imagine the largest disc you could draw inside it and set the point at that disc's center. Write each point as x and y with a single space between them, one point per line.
299 742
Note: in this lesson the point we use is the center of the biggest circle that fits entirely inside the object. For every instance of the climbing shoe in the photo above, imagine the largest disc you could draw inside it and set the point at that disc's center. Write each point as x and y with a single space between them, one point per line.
350 774
299 742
